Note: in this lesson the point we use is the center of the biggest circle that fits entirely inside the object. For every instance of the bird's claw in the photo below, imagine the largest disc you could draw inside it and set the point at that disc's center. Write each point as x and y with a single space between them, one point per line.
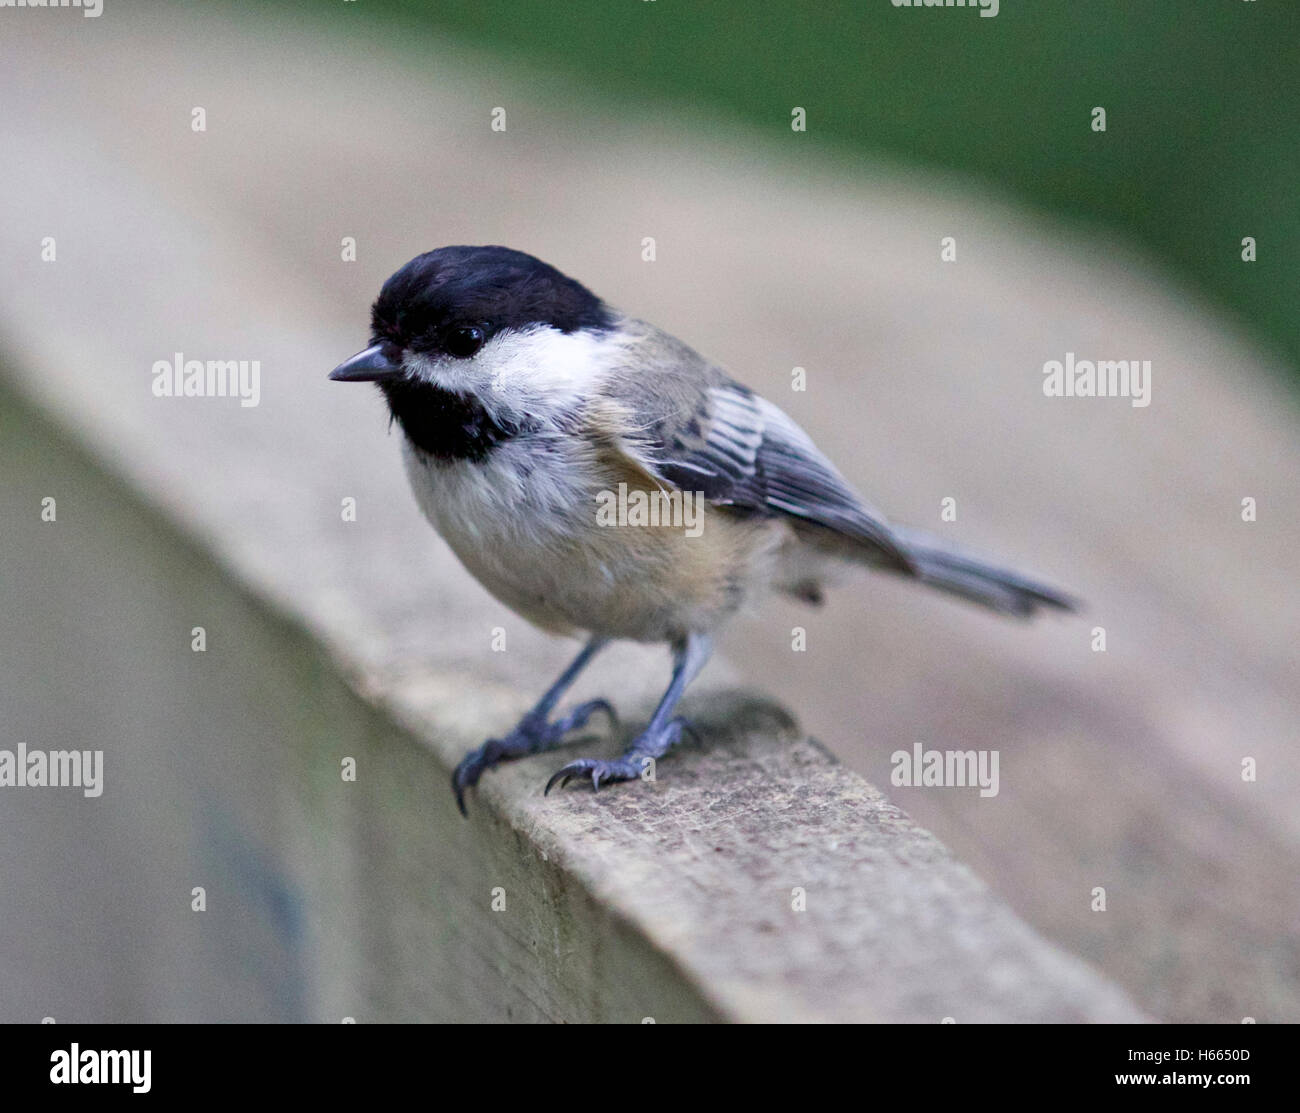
532 735
626 768
631 766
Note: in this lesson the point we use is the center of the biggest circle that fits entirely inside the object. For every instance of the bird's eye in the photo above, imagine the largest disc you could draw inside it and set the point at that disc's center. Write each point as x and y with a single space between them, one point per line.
463 342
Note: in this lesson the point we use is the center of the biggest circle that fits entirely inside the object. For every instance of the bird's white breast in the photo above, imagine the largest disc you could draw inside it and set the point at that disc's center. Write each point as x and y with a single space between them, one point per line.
514 520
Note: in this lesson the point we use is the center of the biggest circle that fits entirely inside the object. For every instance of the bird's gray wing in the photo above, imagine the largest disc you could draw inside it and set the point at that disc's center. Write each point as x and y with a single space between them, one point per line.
686 424
741 451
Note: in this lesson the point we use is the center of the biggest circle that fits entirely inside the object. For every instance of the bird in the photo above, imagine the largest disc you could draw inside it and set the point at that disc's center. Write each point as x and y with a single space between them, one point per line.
532 412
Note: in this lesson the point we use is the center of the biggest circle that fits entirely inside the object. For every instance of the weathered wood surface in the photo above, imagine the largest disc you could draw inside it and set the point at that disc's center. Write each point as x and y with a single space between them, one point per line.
1119 769
761 881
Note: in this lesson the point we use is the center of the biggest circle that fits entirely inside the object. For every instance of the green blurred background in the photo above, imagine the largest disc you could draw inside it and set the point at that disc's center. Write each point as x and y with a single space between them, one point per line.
1202 98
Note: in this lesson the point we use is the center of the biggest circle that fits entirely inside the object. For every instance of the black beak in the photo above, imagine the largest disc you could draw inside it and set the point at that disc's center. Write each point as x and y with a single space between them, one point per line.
370 366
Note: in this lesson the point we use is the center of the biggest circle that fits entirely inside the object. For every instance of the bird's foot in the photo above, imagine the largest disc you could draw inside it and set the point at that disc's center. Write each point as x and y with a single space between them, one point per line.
634 764
533 735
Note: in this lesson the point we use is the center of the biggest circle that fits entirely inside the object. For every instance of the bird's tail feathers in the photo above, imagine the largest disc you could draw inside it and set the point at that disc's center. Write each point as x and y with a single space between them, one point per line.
972 577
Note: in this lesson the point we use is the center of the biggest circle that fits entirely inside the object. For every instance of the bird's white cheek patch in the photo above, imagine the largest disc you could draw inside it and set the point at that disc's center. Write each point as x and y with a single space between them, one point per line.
544 364
531 372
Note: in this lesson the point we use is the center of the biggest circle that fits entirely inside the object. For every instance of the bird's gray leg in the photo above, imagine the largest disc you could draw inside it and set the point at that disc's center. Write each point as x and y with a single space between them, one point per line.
663 732
534 732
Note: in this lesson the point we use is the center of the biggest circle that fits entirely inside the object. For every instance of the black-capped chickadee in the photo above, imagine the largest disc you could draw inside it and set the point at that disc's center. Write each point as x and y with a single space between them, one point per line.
543 429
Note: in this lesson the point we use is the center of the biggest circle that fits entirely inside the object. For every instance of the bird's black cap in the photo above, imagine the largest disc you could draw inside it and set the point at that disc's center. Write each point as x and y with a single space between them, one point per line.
486 287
